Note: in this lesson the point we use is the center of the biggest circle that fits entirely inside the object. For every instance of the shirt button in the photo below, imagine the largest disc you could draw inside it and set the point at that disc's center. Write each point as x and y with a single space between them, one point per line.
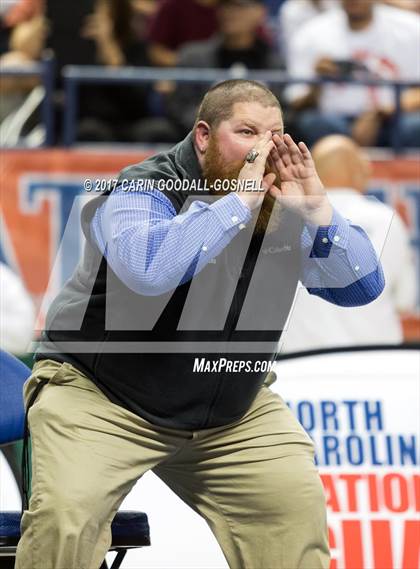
204 248
234 218
242 226
337 238
325 239
356 268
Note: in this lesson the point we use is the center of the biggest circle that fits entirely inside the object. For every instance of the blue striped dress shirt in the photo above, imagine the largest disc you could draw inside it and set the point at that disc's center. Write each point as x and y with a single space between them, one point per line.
153 250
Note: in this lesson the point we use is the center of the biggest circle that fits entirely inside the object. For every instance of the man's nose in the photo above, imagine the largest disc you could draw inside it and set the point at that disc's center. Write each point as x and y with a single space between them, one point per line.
261 135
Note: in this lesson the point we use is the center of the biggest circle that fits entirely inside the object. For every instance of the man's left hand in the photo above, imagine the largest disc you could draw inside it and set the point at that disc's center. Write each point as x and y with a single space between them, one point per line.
300 188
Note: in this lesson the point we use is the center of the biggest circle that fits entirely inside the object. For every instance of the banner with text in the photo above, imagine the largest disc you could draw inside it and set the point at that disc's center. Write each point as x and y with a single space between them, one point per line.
362 410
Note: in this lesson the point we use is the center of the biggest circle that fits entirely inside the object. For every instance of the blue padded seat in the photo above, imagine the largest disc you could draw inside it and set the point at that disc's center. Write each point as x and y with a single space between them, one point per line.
129 529
13 374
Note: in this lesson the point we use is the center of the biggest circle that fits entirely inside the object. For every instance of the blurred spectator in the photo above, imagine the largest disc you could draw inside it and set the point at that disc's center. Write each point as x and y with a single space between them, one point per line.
14 12
26 43
110 33
294 13
110 28
178 22
345 173
364 39
238 45
143 12
20 97
17 313
65 39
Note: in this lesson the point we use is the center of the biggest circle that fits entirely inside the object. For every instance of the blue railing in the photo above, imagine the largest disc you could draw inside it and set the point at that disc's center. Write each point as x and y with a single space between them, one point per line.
76 75
44 71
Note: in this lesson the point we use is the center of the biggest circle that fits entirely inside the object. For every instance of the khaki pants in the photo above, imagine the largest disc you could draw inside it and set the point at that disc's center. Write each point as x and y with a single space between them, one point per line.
254 481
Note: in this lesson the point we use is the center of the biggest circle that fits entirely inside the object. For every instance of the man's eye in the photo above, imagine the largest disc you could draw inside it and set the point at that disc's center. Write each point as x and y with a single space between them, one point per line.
247 131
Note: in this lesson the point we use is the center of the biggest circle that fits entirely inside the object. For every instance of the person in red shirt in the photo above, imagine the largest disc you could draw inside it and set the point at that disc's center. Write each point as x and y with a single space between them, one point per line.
178 22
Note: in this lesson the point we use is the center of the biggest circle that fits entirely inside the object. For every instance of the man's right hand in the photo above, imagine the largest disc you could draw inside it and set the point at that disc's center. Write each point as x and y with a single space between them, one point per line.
255 171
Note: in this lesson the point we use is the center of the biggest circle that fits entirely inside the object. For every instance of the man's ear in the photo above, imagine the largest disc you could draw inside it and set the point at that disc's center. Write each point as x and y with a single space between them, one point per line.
202 136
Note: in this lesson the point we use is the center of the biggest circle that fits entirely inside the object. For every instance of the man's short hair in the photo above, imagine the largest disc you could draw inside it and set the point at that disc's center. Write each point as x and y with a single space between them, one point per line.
217 104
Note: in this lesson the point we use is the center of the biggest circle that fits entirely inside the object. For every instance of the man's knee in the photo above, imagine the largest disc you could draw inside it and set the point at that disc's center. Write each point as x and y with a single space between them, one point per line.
293 492
302 487
61 531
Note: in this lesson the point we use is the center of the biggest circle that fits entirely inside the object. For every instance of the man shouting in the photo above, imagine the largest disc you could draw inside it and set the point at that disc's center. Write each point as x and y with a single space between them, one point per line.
157 352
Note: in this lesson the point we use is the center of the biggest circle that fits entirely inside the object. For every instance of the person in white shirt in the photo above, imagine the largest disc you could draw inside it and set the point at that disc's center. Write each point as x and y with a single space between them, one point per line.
313 324
293 14
17 313
364 39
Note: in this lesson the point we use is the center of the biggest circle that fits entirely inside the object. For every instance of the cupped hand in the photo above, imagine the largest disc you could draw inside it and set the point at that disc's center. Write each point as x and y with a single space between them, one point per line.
253 172
300 188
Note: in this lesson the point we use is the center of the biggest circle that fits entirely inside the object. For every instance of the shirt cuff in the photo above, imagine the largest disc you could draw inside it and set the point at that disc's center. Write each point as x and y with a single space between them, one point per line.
323 237
231 211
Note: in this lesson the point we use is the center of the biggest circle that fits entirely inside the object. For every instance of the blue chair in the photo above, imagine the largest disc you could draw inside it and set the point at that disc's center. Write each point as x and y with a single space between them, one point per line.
130 529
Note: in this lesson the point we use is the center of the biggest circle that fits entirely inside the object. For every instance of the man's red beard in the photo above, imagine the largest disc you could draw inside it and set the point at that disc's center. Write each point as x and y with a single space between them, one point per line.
215 168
